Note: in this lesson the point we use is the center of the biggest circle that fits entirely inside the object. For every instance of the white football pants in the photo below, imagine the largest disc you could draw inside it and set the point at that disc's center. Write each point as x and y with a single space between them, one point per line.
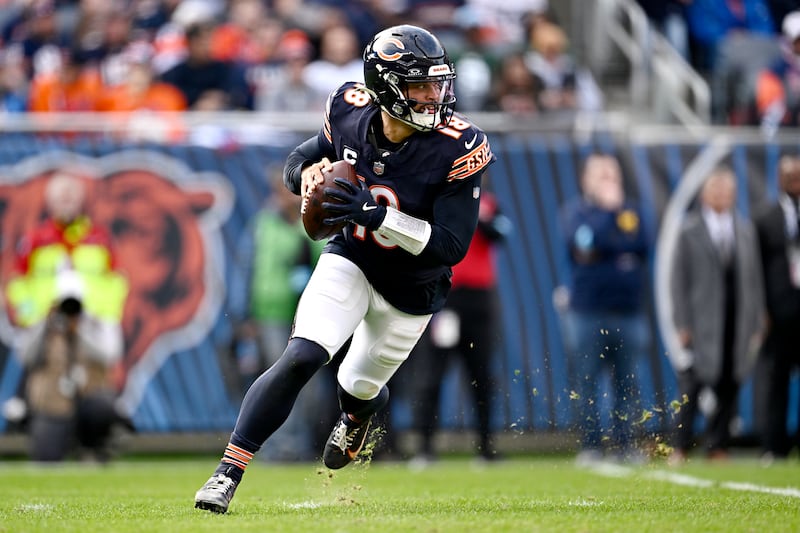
338 302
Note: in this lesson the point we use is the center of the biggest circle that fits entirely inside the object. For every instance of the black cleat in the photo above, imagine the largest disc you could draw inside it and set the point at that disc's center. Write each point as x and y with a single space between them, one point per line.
216 494
345 442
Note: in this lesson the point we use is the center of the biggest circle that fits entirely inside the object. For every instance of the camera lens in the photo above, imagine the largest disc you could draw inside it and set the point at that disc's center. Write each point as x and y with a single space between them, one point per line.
71 306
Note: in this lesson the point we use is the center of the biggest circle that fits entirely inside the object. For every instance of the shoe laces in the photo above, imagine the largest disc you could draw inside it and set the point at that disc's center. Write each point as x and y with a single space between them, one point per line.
341 438
221 483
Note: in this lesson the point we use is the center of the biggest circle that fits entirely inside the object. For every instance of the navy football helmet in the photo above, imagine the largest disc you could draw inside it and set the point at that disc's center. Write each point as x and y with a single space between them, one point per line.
399 56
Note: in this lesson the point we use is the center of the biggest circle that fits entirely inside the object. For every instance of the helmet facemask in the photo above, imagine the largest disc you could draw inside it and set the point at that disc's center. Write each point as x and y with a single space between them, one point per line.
434 114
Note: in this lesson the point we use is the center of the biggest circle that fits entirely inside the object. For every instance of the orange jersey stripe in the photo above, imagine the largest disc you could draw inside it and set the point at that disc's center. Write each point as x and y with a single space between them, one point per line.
472 162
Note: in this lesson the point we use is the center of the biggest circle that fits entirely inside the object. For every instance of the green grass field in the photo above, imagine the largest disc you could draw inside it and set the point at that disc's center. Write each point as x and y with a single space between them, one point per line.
519 494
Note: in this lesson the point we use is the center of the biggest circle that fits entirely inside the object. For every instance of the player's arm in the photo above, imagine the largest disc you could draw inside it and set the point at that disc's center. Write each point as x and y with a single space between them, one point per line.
314 154
309 154
455 215
455 212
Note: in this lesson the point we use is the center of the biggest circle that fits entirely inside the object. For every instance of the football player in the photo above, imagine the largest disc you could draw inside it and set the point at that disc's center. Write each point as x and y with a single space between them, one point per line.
377 282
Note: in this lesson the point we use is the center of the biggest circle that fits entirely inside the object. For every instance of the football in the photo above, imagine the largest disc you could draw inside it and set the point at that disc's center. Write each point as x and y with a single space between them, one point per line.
311 209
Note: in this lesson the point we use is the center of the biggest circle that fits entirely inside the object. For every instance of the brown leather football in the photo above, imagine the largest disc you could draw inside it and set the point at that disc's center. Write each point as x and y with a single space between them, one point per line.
311 209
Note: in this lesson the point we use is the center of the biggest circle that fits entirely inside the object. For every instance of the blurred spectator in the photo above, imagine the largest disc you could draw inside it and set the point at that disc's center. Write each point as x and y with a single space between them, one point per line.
563 86
13 83
170 47
190 13
777 93
778 229
474 64
438 16
267 37
366 17
69 299
102 29
780 8
68 395
718 312
140 90
282 84
67 240
669 18
604 322
339 61
149 15
283 258
740 60
553 67
467 329
516 89
711 21
34 29
237 40
733 40
144 102
201 77
118 37
74 87
310 17
507 23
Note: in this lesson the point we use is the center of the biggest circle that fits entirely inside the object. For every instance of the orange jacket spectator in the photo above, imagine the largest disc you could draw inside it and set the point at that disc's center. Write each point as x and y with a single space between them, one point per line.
140 89
157 97
141 92
248 36
777 89
73 88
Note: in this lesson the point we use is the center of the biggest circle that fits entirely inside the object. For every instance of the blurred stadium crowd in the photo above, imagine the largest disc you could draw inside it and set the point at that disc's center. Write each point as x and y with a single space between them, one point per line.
202 55
263 55
747 50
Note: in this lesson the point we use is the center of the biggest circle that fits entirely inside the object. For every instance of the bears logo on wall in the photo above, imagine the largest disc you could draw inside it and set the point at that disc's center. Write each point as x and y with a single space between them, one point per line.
165 222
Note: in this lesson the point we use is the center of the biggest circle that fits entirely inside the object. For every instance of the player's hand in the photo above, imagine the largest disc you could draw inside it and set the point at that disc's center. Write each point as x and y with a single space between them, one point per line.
312 175
354 205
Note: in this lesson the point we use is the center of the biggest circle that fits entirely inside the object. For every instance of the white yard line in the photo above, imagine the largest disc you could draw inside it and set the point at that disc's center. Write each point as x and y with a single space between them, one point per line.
618 471
680 479
786 491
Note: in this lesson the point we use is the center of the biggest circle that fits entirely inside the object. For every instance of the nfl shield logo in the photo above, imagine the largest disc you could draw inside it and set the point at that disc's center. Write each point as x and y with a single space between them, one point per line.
378 168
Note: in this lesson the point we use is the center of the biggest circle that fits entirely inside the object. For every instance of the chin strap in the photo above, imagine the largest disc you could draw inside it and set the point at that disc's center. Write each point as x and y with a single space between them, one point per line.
411 234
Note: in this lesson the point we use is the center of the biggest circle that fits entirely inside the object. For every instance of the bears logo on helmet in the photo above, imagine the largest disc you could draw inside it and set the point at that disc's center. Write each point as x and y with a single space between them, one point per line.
406 54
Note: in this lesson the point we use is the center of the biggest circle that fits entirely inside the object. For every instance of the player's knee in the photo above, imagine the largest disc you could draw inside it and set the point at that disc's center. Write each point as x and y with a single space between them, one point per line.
304 357
360 388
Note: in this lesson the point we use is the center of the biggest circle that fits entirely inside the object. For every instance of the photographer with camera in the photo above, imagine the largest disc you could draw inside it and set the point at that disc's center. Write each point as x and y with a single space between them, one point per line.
67 359
67 299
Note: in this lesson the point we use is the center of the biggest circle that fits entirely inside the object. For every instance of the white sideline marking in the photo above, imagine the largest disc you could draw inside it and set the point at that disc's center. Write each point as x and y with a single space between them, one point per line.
786 491
607 469
584 503
35 508
304 505
618 471
680 479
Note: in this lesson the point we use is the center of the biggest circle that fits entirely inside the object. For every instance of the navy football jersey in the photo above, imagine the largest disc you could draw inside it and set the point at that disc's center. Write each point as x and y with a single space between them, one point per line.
434 176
